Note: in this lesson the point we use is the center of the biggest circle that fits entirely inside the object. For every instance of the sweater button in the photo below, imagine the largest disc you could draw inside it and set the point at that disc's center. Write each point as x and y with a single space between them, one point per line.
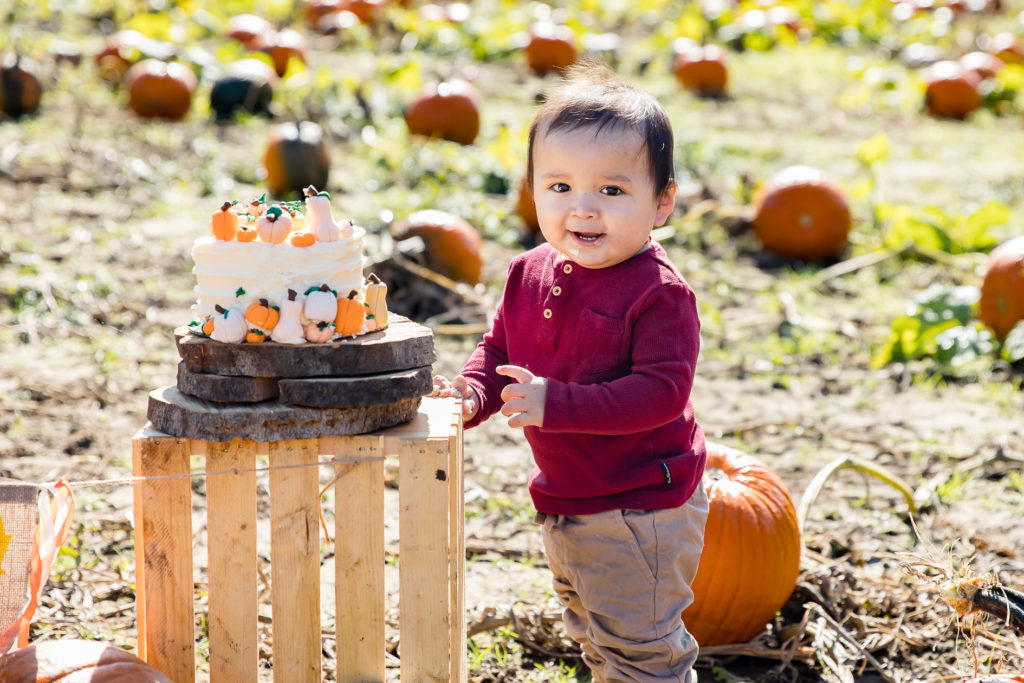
547 313
556 290
567 268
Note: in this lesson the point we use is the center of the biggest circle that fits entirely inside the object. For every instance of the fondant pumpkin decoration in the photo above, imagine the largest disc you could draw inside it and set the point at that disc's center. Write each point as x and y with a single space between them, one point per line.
701 69
250 30
952 91
1001 305
296 156
75 660
453 245
801 214
351 314
247 87
208 326
256 207
751 556
284 46
274 225
229 325
376 301
159 89
302 239
246 233
262 315
319 332
324 228
321 304
449 110
224 223
20 90
551 47
255 336
289 326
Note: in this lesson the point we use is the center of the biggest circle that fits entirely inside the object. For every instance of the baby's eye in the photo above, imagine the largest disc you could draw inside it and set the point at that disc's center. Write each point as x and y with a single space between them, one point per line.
559 187
611 190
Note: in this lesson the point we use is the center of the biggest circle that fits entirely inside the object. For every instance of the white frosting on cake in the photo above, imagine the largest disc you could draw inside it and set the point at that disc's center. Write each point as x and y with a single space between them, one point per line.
263 270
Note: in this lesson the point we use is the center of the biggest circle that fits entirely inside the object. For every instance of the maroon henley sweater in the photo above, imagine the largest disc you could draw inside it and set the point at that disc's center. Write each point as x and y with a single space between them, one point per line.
618 347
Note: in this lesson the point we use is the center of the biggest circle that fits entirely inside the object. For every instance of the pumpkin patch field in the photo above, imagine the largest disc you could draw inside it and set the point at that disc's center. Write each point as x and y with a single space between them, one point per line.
850 214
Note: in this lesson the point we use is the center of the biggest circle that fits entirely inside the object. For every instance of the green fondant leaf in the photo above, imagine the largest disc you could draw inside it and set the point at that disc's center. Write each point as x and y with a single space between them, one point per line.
239 292
323 194
314 288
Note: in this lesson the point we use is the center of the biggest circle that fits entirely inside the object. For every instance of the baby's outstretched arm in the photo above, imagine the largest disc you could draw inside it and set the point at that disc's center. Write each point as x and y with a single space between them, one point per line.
524 398
458 388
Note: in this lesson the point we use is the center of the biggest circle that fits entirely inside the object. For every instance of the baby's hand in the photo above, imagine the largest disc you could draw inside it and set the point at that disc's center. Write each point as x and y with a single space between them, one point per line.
524 401
458 388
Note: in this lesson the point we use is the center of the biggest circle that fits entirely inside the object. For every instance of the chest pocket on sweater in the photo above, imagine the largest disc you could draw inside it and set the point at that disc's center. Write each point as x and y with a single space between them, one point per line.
599 342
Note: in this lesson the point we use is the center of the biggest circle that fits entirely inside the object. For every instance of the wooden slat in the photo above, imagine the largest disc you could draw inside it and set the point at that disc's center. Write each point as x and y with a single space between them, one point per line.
423 484
359 557
164 514
140 548
457 543
295 561
231 538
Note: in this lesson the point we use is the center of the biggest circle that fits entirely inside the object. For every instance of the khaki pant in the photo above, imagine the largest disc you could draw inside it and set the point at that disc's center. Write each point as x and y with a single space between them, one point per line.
624 577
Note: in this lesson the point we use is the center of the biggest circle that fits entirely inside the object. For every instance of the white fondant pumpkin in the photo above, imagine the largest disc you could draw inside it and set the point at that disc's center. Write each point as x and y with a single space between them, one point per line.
289 325
274 225
321 305
229 326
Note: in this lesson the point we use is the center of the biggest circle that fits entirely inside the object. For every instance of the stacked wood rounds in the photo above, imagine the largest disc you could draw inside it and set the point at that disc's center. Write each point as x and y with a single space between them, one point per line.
273 392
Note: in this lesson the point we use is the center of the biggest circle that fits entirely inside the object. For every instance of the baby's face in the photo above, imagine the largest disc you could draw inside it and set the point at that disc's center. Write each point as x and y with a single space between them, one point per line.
595 195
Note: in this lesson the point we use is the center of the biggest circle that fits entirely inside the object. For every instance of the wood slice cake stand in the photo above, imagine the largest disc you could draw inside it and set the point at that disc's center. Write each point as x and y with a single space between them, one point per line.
273 392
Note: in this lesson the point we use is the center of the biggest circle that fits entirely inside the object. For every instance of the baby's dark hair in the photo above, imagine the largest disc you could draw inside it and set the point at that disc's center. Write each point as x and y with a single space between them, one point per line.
591 94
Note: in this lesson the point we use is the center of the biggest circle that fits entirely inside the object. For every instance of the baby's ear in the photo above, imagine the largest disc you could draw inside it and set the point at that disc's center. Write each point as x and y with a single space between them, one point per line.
666 202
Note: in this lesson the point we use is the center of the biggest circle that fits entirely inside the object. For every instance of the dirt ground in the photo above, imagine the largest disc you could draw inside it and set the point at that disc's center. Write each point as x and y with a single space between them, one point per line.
97 215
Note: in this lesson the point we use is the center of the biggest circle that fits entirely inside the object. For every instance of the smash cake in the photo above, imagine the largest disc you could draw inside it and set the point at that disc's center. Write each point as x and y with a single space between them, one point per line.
289 339
288 273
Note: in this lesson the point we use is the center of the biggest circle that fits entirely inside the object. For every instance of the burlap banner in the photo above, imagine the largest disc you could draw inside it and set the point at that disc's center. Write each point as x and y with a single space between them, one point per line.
34 523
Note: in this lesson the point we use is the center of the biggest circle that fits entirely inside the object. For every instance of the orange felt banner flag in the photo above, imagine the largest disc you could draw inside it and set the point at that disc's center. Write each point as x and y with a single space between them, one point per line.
34 523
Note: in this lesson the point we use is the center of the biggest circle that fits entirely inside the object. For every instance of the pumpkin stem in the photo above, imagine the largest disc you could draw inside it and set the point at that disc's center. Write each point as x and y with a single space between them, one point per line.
850 462
324 288
373 278
310 191
264 303
291 295
225 206
352 294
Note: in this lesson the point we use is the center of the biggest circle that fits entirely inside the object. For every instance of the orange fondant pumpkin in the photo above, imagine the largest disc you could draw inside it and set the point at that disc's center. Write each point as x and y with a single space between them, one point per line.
159 89
254 336
449 110
1001 305
952 91
319 332
274 225
701 69
75 660
351 314
551 47
19 86
246 233
224 223
302 239
801 214
296 156
262 315
751 556
453 245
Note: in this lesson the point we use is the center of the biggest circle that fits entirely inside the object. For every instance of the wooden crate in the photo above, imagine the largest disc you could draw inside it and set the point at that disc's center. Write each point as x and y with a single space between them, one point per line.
431 552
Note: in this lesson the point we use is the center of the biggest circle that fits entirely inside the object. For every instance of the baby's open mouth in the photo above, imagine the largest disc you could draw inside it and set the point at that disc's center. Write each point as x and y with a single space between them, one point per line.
588 237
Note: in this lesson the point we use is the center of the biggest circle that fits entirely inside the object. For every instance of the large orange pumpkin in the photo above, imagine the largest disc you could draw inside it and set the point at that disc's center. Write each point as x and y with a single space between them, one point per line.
801 214
700 69
751 556
19 86
551 47
952 91
453 245
159 89
1002 289
296 157
450 110
75 660
526 208
282 46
